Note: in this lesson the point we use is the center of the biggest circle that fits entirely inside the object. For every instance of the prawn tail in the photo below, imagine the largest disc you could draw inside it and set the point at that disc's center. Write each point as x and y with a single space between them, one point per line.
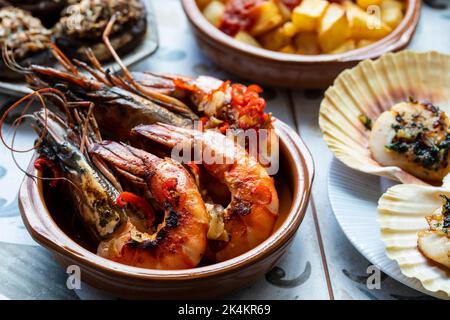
167 135
125 157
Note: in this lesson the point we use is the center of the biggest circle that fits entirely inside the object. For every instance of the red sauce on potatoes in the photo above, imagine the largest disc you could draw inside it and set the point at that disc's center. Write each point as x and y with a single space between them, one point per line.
239 15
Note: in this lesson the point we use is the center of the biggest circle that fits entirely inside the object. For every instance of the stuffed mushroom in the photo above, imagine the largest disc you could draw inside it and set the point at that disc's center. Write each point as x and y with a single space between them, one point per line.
24 38
83 23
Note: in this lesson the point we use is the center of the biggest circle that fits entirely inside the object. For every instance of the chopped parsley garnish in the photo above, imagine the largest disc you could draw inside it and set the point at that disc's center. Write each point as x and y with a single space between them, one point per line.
411 99
446 211
398 146
366 121
421 143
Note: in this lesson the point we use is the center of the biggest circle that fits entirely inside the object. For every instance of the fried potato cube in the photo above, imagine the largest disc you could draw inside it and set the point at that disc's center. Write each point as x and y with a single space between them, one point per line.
307 15
392 12
364 43
307 43
364 25
364 4
268 17
245 37
284 10
348 45
213 12
288 49
289 29
275 39
334 28
397 4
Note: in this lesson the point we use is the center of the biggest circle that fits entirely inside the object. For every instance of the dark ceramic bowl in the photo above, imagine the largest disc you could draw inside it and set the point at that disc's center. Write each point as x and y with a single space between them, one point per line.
291 70
293 185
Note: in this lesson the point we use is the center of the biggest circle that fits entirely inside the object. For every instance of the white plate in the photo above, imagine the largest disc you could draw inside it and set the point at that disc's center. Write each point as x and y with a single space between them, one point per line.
148 45
354 196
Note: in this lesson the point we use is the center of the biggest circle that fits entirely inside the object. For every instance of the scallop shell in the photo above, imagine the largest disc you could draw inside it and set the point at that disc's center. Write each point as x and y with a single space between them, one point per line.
371 88
401 215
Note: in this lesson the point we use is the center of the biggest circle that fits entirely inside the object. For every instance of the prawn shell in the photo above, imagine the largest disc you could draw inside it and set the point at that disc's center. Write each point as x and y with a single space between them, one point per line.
401 216
371 88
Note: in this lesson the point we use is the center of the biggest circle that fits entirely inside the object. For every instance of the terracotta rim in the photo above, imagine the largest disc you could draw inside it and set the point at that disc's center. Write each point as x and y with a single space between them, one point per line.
395 41
44 230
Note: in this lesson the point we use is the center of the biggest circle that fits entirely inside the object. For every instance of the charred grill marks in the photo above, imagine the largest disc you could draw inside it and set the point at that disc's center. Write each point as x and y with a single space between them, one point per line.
241 207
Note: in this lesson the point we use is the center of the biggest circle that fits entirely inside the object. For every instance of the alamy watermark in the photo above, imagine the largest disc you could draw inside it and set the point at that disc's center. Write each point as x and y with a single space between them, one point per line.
261 144
374 21
373 282
74 279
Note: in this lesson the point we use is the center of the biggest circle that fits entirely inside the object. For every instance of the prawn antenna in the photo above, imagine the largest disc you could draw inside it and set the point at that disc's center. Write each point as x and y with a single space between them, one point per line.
29 99
10 61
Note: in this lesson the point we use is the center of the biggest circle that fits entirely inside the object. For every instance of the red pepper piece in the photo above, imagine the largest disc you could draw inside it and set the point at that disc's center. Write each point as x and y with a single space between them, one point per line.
255 88
262 195
248 105
194 167
170 184
43 163
181 84
239 15
224 127
127 197
204 120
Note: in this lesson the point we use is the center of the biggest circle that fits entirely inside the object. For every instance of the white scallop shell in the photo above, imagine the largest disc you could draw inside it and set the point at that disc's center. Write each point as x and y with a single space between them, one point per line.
401 215
373 87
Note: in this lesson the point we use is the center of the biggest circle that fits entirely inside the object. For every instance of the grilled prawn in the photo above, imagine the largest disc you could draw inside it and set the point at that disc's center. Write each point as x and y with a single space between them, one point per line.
223 104
123 102
62 152
250 217
117 110
179 241
122 222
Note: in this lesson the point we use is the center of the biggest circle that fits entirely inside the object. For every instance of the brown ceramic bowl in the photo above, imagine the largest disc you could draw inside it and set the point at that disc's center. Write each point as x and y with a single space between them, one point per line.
293 185
291 70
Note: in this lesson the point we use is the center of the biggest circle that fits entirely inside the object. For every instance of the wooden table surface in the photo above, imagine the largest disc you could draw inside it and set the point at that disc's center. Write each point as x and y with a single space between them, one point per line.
321 264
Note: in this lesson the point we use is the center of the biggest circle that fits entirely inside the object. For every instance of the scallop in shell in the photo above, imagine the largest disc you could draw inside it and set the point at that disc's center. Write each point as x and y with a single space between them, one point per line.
372 95
420 249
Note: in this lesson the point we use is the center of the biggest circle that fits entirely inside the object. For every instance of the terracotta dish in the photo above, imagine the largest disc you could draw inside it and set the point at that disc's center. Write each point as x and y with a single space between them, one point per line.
42 214
291 70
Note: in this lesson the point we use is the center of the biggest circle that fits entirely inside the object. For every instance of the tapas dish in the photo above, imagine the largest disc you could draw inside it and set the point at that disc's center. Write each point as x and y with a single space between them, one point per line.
394 127
308 27
299 58
147 213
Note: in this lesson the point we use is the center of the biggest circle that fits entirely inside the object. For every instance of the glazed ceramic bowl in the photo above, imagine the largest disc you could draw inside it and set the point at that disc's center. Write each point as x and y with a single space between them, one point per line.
41 213
291 70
